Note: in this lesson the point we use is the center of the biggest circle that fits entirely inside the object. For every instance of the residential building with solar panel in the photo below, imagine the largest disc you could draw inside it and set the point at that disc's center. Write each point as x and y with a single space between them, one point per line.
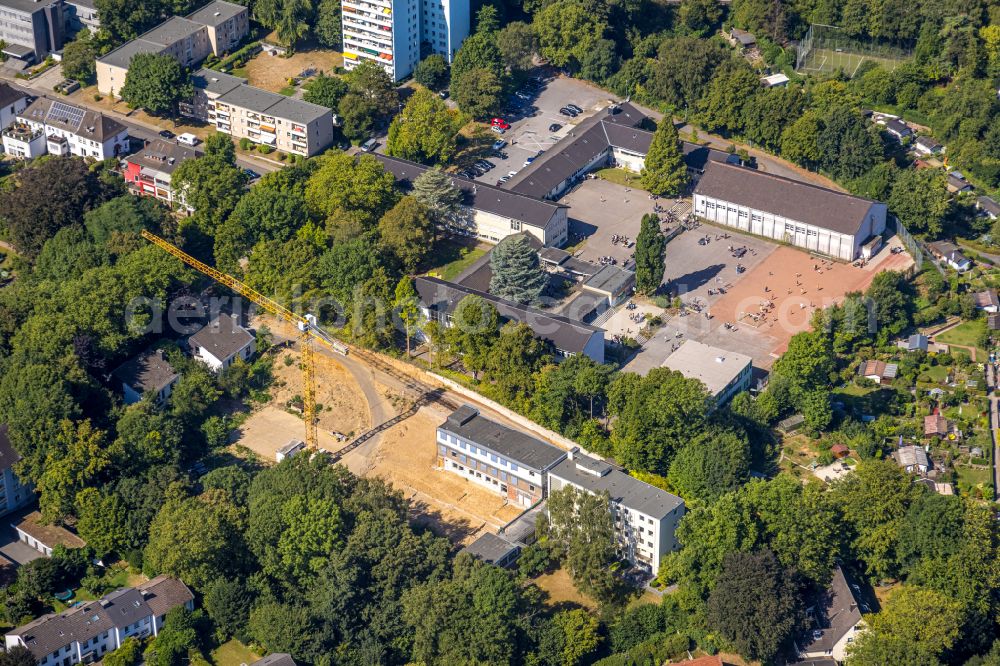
57 128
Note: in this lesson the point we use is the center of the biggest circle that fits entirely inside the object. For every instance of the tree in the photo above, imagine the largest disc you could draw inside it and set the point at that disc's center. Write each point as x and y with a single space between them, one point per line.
517 272
478 92
579 528
478 51
807 363
914 621
723 108
849 144
656 415
228 602
475 328
889 297
580 635
125 20
920 200
683 70
79 56
173 642
567 30
21 656
518 45
341 182
50 194
156 83
290 19
514 359
128 654
754 605
212 184
650 250
407 308
407 231
875 500
77 460
438 193
196 540
326 90
714 463
800 140
665 173
371 99
327 27
699 16
432 72
424 131
101 521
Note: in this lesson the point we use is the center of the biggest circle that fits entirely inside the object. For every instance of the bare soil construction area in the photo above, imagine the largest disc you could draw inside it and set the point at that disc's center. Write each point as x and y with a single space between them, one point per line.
452 506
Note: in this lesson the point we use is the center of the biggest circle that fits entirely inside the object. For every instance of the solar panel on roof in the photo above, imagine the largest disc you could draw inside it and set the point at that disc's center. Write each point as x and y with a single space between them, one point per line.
71 115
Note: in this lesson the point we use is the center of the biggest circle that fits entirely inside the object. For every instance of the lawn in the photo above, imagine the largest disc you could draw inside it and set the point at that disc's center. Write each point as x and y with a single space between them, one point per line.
560 590
451 258
620 177
79 594
937 373
233 653
966 334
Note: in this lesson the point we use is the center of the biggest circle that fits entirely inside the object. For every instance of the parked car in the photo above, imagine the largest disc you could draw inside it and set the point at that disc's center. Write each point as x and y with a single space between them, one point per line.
167 134
555 127
251 174
568 112
499 130
529 160
188 140
369 145
501 123
443 94
499 144
574 107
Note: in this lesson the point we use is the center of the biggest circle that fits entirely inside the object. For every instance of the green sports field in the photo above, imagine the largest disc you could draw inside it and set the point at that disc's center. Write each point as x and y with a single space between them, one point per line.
829 60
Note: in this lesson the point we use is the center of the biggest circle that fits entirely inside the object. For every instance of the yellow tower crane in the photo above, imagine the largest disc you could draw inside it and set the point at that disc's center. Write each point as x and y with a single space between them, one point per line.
310 331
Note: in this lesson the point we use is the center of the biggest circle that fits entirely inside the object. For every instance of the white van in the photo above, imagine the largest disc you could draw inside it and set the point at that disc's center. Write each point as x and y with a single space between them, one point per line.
187 139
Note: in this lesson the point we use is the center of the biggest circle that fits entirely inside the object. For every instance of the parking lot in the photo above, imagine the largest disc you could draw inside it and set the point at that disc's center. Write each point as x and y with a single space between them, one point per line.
529 132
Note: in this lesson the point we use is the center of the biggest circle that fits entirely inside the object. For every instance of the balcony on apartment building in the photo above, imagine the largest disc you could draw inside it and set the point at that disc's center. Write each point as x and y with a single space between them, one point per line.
364 29
22 132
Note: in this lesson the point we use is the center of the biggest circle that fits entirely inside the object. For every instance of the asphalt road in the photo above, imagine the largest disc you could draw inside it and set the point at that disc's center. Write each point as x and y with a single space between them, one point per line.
135 129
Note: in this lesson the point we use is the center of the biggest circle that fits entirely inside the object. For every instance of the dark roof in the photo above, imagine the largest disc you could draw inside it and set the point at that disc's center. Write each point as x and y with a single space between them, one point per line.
223 337
490 548
276 659
565 334
596 475
164 156
836 614
958 183
273 104
610 279
989 205
76 119
8 454
117 609
19 50
743 37
149 371
927 142
9 94
122 56
917 341
986 299
216 13
525 450
164 593
793 199
898 127
29 6
947 251
817 661
589 139
171 31
480 196
993 321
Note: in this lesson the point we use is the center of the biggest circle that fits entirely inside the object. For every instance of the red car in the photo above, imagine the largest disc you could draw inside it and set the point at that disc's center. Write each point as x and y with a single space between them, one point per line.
501 123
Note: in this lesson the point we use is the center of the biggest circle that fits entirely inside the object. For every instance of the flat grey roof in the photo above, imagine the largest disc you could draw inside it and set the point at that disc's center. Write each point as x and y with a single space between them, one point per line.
216 13
215 82
122 56
793 199
564 333
525 450
599 476
89 4
490 548
611 280
18 50
528 209
714 367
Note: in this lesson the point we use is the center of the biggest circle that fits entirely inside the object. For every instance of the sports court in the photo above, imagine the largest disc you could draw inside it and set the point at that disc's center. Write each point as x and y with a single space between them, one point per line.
827 48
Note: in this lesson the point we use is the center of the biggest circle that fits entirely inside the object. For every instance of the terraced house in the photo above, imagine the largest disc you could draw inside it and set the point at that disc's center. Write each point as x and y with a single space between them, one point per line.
84 634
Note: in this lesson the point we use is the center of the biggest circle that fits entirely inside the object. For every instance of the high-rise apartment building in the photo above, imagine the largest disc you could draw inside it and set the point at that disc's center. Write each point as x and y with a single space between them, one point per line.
394 33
